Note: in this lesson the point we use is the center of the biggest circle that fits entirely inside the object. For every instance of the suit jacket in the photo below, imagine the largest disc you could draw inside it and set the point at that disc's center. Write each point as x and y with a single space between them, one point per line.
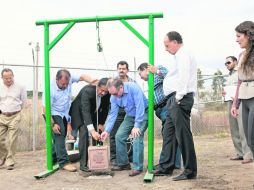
83 108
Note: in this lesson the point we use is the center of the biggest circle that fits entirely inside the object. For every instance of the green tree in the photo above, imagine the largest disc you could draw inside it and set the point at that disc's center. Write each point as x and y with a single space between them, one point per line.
200 81
217 85
200 84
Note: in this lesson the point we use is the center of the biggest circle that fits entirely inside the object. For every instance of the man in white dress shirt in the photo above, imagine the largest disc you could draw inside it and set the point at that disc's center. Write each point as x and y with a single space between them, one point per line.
12 99
179 85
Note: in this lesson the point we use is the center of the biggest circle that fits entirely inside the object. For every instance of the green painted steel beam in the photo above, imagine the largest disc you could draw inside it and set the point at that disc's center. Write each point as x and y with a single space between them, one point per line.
101 18
151 96
148 177
48 47
47 97
60 35
47 172
135 32
150 102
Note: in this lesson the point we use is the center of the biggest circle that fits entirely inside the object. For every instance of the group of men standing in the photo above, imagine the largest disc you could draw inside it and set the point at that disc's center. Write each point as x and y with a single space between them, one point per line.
117 108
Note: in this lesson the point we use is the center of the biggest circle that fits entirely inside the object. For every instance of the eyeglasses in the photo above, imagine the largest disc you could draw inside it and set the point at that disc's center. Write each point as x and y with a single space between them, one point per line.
227 63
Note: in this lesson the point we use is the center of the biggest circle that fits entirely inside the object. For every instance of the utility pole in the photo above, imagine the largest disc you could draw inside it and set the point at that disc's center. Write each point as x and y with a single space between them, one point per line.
35 90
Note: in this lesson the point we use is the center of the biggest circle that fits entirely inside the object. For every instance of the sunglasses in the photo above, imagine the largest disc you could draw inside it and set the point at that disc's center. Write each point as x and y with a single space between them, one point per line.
227 63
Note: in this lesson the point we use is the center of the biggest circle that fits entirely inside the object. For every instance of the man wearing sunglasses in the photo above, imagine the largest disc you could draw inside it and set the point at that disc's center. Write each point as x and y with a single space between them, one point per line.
60 99
242 150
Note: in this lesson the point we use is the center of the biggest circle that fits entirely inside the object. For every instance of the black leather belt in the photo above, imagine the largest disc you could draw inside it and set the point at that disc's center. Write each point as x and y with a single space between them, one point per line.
164 102
161 105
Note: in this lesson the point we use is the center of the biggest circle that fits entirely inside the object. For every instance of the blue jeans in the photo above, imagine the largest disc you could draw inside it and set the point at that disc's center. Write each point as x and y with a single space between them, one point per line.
138 143
161 113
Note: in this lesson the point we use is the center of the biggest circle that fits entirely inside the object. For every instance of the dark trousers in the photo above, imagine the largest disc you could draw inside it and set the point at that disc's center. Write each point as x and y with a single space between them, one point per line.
248 121
177 133
59 153
83 146
112 140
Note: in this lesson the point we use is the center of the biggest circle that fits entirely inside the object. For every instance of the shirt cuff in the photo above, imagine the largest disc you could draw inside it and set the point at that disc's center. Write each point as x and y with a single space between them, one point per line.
137 126
90 127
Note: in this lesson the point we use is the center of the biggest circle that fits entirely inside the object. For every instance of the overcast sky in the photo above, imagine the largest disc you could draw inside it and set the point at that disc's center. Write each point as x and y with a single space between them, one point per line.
207 28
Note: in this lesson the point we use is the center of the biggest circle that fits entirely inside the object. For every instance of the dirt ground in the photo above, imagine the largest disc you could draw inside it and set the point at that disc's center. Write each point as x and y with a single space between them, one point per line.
215 171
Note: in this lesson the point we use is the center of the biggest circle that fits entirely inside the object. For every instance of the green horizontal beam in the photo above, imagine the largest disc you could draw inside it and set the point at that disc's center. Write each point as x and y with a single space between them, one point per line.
100 18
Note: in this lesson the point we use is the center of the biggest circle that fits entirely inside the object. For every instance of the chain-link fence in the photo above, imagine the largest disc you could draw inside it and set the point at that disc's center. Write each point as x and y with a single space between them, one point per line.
209 113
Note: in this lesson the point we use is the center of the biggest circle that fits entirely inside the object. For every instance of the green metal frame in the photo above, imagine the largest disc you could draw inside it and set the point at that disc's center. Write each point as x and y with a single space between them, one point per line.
49 45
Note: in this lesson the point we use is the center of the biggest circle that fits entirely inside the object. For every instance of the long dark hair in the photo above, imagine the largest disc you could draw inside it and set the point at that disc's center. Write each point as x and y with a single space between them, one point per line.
247 28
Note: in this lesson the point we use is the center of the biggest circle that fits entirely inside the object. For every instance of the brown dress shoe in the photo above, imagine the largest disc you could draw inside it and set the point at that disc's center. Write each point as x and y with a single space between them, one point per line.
2 162
247 161
70 168
135 172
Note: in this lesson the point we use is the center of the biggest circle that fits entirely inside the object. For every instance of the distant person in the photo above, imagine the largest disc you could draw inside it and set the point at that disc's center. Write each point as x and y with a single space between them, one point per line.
160 100
245 87
242 150
60 99
179 85
91 102
122 69
12 99
129 96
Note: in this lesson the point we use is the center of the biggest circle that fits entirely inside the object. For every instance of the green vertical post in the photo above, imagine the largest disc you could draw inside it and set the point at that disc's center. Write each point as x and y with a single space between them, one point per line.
151 95
50 168
149 177
47 97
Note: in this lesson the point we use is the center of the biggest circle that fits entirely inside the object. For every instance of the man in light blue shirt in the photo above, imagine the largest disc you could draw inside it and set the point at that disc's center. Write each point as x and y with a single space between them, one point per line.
60 99
129 96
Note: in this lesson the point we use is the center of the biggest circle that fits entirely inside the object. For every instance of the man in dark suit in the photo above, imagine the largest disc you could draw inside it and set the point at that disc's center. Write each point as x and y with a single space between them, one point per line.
91 102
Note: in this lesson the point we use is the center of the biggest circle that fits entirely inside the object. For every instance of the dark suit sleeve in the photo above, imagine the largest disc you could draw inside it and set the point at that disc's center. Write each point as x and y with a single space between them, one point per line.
104 108
86 106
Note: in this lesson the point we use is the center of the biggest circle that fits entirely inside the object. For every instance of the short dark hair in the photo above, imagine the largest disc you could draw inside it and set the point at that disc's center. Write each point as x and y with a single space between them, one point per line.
123 63
232 57
6 70
60 73
142 66
173 35
103 82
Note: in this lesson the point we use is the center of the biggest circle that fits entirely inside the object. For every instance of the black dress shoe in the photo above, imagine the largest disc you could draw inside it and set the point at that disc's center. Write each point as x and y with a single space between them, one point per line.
120 168
158 172
236 158
184 177
85 169
10 167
